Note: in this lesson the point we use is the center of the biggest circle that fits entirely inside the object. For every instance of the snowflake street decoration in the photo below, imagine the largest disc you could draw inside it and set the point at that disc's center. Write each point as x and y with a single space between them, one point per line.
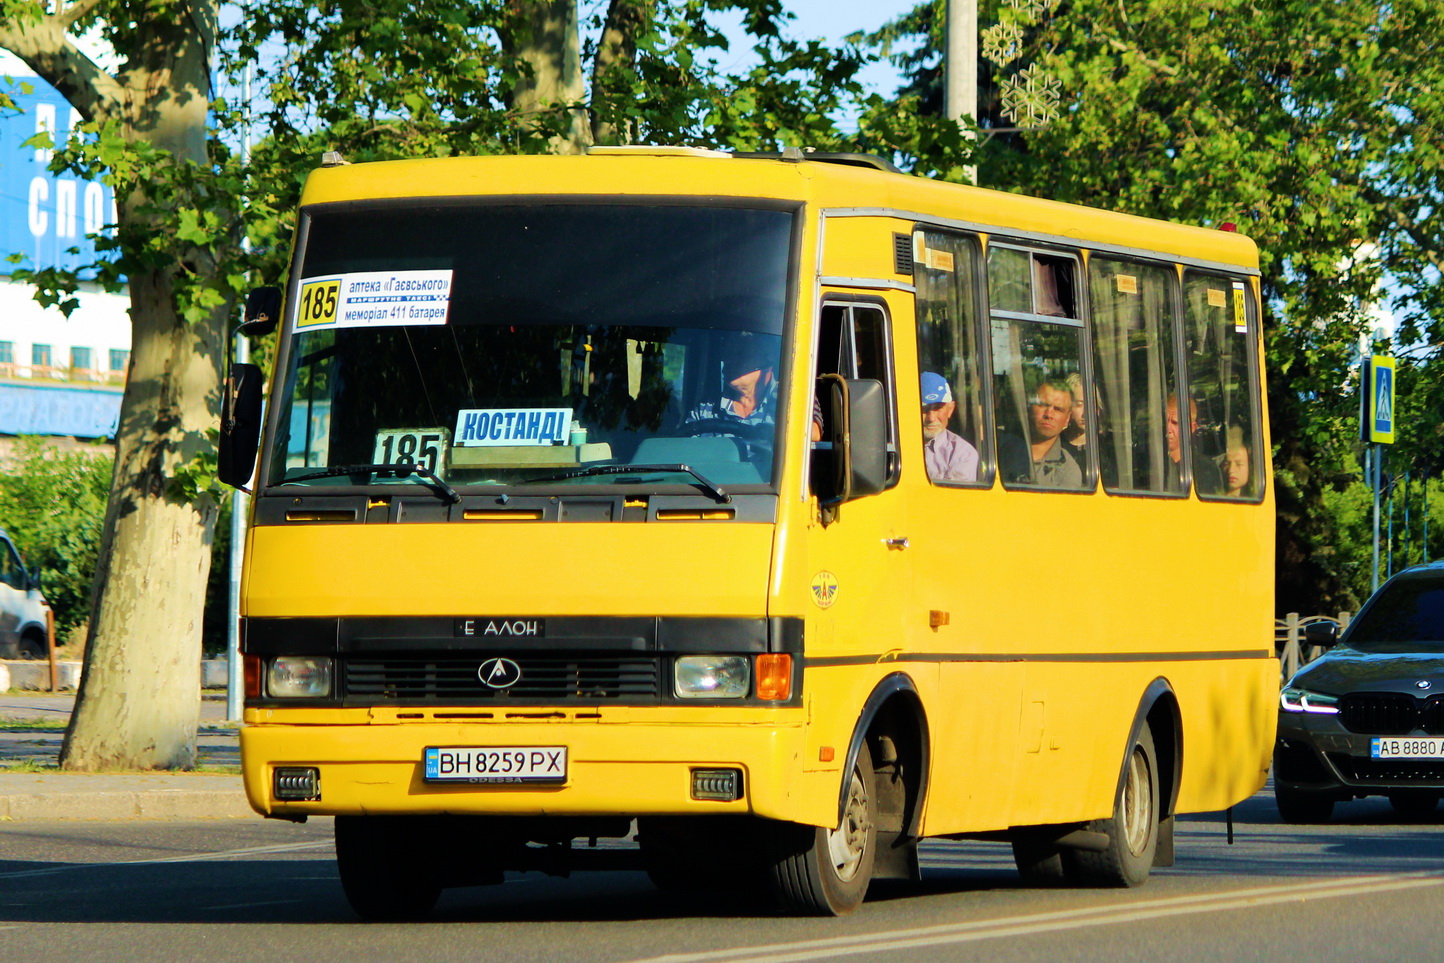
1034 8
1002 42
1031 99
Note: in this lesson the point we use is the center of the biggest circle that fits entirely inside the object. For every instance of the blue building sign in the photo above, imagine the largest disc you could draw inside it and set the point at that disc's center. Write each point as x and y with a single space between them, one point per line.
44 215
29 409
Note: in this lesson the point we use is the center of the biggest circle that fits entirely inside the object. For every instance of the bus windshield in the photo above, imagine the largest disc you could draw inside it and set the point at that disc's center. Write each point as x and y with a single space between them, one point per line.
524 344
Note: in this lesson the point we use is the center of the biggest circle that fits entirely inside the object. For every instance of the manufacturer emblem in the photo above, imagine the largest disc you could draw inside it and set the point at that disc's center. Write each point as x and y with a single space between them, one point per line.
499 673
824 589
1423 684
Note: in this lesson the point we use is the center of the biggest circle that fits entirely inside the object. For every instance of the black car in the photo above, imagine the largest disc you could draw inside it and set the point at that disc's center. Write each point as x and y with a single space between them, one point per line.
1367 718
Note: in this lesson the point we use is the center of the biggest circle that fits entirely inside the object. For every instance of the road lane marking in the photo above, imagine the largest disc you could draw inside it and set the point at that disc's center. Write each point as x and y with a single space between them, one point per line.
195 858
891 941
268 902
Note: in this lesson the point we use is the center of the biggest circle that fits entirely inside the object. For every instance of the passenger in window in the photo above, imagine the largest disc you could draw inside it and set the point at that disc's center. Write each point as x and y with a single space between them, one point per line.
1045 460
1206 477
1237 465
947 455
1075 436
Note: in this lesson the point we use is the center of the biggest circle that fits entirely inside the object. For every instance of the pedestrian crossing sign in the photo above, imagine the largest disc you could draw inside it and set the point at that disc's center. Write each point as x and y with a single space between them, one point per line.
1379 417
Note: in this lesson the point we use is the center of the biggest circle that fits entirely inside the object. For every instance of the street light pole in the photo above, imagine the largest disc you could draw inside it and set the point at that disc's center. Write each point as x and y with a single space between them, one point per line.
960 97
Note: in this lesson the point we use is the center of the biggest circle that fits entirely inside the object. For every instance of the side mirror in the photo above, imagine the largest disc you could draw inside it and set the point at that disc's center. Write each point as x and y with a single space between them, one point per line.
1323 634
263 311
240 425
856 465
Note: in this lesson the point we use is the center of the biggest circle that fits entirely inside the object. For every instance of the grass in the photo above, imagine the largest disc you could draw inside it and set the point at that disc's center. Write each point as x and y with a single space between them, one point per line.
31 725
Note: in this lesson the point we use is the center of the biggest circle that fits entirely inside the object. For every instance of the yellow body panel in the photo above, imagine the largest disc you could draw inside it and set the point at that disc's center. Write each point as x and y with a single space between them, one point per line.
531 568
1062 609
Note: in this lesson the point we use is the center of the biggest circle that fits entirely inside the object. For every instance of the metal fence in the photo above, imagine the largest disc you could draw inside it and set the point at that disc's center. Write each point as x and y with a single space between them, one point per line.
1289 639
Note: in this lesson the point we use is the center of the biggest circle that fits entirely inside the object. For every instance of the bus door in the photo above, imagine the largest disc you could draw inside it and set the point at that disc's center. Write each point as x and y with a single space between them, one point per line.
856 562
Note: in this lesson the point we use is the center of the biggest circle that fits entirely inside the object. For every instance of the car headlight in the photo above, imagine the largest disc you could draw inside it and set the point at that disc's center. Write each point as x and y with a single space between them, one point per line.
299 677
1294 699
711 677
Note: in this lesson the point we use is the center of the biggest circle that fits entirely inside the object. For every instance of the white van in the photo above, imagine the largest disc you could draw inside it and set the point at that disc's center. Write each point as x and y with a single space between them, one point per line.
23 609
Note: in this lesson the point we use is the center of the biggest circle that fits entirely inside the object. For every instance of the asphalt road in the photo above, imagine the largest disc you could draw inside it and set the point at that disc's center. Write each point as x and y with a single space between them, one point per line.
1367 886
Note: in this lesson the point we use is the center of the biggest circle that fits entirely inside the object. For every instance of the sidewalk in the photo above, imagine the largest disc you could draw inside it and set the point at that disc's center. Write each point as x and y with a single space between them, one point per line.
42 792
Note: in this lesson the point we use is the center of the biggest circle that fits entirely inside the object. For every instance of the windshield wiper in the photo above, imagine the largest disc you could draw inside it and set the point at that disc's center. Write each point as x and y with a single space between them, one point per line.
402 469
711 487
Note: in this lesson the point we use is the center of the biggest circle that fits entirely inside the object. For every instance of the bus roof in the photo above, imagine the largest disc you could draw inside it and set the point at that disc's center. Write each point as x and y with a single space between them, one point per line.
833 185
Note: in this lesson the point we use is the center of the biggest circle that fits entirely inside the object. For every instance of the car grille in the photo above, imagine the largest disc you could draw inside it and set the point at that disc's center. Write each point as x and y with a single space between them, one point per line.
545 677
1415 771
1391 713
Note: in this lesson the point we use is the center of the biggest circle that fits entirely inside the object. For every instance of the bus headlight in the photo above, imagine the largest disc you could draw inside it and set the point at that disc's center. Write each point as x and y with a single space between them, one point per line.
711 677
1294 699
299 677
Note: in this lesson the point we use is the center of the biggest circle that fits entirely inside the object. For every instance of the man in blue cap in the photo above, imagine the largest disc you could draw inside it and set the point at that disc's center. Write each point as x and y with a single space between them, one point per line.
949 458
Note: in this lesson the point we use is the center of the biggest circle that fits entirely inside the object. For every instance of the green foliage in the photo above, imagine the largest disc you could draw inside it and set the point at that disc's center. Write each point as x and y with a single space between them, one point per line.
53 505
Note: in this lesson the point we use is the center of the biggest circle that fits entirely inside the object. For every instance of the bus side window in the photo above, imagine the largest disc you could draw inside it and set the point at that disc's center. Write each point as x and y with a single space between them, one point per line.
853 341
1220 321
949 360
1133 317
1037 367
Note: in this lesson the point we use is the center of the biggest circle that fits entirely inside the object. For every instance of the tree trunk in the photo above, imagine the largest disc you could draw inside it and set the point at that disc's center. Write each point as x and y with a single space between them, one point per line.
139 696
611 73
140 691
542 34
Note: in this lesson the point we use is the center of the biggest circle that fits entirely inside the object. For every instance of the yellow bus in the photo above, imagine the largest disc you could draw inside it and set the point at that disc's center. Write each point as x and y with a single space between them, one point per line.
777 511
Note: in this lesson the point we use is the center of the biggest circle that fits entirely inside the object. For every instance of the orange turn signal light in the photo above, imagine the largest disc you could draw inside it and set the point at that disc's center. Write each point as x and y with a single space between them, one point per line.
251 666
774 676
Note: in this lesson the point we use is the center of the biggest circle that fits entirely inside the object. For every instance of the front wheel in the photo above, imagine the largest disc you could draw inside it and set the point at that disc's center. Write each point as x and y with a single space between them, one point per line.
825 872
385 869
1132 830
32 646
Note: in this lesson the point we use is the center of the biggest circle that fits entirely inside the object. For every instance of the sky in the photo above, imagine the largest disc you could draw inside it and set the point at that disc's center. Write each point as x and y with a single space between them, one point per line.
831 20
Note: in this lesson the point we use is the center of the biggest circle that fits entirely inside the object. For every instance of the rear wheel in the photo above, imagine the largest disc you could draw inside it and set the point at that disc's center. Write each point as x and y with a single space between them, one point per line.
385 869
1132 830
1302 807
825 872
1413 804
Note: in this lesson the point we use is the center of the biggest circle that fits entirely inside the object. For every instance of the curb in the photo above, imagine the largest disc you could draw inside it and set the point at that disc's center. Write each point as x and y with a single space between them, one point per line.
26 796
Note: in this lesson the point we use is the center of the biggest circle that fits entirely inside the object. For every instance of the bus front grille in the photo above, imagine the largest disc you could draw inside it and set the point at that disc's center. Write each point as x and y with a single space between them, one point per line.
543 678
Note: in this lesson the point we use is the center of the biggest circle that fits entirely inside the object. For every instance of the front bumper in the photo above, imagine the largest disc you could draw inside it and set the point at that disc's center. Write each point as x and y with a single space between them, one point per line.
633 762
1316 753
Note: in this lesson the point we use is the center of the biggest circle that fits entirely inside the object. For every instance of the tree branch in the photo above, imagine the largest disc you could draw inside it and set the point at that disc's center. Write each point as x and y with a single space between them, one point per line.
45 48
76 12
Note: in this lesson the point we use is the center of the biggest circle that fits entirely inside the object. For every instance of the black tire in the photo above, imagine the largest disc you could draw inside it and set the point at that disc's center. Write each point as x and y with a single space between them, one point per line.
1412 804
1132 830
1301 807
825 872
385 870
32 646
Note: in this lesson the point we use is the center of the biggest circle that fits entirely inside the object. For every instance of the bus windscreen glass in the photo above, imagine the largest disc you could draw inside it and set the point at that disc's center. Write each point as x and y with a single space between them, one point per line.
510 344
